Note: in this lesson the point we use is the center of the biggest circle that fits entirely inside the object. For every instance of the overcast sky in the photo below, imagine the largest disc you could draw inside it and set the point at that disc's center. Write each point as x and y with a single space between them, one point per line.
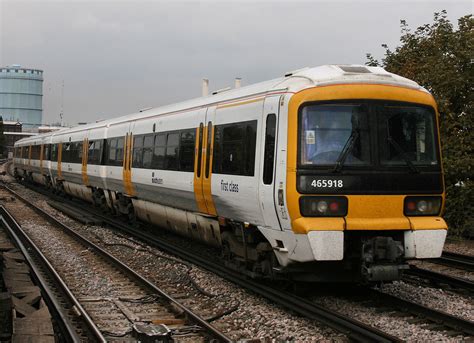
116 57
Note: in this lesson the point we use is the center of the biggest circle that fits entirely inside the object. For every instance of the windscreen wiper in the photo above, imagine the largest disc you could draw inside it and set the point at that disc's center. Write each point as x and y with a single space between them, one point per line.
346 150
403 154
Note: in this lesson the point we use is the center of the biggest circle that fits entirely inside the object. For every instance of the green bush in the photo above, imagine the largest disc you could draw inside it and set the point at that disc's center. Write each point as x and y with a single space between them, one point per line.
440 58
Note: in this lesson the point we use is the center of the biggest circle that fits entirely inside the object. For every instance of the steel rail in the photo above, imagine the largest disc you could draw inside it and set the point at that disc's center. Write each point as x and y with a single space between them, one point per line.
446 319
441 278
455 260
209 328
37 262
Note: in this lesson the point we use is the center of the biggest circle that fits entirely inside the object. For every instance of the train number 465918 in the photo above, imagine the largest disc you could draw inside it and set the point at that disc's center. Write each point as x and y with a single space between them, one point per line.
327 183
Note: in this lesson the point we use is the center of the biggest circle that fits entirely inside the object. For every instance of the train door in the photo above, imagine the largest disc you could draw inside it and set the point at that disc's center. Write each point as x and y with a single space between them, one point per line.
127 162
59 163
41 156
269 131
29 156
85 157
203 161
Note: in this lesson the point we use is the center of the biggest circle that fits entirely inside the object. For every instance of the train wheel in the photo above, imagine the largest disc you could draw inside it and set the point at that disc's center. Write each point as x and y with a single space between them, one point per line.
132 218
103 203
227 254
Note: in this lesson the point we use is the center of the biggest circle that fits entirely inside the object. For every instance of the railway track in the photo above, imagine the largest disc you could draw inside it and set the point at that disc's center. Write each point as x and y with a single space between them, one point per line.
121 304
451 259
74 323
353 329
438 320
436 278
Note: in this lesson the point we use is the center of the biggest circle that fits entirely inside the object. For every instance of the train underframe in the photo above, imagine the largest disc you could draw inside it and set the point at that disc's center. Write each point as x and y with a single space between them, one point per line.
369 256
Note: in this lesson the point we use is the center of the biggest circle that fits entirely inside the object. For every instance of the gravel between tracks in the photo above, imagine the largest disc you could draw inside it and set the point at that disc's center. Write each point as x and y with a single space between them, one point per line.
465 247
257 318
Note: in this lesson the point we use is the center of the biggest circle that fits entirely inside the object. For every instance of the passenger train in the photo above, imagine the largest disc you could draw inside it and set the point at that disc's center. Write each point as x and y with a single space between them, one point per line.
325 174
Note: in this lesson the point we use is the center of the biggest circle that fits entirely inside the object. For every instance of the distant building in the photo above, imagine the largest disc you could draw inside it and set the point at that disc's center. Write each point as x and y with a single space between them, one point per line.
12 131
21 95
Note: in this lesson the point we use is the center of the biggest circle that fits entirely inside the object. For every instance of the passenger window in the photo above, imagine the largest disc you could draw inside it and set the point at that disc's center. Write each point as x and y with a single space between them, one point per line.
165 151
119 153
112 151
47 152
66 152
159 151
54 152
172 150
234 148
148 144
78 152
186 151
90 153
98 151
137 152
269 154
159 158
33 151
173 139
147 158
94 153
149 141
161 140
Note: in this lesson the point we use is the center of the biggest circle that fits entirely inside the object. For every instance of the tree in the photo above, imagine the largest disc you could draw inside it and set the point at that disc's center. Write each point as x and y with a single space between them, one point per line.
439 58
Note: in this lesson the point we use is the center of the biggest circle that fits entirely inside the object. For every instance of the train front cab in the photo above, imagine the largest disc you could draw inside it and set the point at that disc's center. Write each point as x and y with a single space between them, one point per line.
364 179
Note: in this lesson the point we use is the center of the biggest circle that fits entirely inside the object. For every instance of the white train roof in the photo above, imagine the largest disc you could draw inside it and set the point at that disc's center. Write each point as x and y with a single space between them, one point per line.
291 82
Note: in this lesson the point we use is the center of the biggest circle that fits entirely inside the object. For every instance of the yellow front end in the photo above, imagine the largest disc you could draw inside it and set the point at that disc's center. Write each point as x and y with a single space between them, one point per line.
374 219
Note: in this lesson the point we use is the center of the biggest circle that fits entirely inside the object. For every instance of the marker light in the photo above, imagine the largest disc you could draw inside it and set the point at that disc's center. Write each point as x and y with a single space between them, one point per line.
422 206
411 205
327 206
334 207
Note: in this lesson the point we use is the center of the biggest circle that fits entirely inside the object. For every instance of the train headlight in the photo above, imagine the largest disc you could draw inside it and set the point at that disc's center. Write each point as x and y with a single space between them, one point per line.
328 206
322 206
422 206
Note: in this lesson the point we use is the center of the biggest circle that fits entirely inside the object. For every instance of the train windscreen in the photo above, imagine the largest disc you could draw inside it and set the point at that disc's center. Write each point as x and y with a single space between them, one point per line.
406 133
328 129
367 134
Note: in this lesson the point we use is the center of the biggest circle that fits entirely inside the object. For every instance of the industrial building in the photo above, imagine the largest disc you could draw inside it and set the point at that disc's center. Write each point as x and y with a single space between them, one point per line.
13 132
21 95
